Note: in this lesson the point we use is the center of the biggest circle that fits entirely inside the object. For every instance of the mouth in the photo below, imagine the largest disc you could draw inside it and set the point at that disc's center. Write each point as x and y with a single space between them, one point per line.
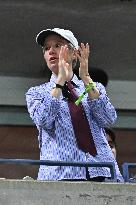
53 59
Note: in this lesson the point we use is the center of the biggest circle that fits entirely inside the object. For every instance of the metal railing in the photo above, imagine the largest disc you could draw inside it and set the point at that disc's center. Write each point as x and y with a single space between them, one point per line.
109 165
126 174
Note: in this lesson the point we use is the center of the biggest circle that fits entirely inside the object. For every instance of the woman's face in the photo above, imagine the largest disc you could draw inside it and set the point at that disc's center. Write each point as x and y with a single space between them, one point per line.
112 145
52 46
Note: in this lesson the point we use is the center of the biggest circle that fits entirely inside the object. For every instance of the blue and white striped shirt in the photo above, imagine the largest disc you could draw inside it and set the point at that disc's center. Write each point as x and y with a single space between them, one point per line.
56 135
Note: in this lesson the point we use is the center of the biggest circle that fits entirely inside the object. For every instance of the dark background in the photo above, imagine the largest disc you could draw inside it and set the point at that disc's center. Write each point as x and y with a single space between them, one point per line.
109 26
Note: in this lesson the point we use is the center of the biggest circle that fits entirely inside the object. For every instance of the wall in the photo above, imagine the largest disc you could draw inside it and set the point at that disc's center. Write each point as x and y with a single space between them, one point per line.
64 193
21 142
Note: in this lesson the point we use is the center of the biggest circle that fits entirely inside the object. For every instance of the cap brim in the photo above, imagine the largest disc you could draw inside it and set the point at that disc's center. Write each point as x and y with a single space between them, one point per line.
40 39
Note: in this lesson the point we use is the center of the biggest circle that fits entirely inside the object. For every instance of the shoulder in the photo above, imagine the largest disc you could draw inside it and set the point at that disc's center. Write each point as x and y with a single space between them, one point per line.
38 89
99 85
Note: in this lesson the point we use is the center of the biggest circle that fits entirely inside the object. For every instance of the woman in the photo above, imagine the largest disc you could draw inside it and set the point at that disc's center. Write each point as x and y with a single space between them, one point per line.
50 105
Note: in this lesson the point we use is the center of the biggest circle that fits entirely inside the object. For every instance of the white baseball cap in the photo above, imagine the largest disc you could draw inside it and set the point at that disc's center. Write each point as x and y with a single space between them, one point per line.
66 34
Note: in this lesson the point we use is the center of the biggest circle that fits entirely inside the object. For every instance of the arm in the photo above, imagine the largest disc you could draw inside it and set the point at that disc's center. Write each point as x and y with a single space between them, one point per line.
102 109
64 71
42 107
83 55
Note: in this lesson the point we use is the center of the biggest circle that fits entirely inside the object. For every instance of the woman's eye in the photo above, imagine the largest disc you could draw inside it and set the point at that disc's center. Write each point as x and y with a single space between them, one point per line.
58 45
46 48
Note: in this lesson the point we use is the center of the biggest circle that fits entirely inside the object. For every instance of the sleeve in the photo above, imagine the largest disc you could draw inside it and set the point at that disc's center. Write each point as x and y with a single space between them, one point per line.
102 109
42 107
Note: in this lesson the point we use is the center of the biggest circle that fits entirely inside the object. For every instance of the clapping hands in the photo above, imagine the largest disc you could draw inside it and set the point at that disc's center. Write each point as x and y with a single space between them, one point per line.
83 55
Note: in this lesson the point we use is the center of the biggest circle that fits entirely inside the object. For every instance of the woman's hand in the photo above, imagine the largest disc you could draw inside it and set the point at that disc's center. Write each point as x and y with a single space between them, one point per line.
62 72
63 67
83 56
65 70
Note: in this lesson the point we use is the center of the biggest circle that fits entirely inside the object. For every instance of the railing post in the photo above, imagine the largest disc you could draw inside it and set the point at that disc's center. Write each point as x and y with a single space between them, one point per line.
125 170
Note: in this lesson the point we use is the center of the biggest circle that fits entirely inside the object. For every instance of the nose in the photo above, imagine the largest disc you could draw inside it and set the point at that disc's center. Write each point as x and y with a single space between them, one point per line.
52 50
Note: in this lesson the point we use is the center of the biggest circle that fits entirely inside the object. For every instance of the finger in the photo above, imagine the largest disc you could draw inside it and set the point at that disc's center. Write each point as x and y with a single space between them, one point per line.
61 53
65 65
83 46
87 49
66 53
81 50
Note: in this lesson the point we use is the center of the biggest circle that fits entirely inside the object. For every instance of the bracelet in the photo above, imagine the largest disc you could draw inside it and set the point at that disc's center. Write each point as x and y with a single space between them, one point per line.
90 86
59 86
